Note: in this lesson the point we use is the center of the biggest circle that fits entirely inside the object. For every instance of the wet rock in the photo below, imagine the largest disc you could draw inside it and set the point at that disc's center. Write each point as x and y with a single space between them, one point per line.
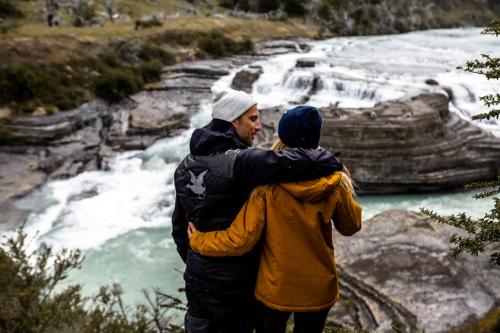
35 149
306 62
411 144
44 129
150 115
92 192
19 174
397 268
244 79
431 82
209 68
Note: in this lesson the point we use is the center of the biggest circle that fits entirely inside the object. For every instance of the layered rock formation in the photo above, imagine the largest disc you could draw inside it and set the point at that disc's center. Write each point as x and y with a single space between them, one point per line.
413 144
397 269
34 149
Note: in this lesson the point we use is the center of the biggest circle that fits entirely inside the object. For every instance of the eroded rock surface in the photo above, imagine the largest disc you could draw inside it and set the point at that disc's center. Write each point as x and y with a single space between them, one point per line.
413 144
35 149
410 144
397 268
244 79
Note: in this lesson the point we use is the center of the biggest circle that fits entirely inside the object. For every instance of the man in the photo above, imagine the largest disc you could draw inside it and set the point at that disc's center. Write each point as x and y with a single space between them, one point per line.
212 184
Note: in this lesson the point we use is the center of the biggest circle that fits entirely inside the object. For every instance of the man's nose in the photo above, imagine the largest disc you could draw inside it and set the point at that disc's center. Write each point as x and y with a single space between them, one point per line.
257 126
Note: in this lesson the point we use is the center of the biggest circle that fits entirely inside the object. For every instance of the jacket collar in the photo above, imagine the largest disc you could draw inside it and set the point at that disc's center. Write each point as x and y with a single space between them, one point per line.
217 136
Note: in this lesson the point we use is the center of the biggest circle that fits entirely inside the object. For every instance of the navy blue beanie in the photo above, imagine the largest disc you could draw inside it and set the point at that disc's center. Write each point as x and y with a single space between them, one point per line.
300 127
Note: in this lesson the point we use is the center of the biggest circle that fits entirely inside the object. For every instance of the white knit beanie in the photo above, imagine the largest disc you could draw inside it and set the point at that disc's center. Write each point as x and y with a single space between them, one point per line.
228 104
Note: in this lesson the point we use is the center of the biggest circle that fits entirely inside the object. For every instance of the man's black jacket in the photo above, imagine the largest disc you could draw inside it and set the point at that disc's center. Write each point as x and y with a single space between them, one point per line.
212 184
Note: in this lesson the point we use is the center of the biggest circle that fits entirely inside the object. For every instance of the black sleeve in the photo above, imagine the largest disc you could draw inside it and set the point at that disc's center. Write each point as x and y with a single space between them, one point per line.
179 229
253 167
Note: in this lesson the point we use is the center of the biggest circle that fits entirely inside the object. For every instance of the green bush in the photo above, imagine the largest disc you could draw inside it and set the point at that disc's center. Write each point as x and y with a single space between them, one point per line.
150 23
295 7
264 6
151 70
9 9
32 299
84 14
215 44
17 83
110 58
151 52
115 84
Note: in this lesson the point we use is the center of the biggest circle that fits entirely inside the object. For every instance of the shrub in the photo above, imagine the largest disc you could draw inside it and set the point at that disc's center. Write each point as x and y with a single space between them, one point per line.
149 23
264 6
215 44
116 84
32 299
17 83
295 7
151 70
9 9
84 14
151 52
111 58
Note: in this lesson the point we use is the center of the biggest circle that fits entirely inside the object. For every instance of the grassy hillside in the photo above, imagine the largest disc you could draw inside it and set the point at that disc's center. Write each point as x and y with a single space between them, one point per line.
94 45
46 69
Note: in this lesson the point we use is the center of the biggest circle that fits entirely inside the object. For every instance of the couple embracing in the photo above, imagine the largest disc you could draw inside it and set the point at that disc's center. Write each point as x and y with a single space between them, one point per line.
254 227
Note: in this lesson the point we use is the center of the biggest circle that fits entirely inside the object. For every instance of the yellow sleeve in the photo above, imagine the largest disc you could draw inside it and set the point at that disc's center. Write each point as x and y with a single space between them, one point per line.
240 237
347 215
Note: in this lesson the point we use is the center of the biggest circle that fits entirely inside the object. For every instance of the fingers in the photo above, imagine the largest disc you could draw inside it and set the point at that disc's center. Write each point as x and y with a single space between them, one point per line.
191 229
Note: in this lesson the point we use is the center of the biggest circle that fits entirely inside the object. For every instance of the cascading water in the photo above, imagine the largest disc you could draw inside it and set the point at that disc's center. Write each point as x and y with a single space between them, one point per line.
121 217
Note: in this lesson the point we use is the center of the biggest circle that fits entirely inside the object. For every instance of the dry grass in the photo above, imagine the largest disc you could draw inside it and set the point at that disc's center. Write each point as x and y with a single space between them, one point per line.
36 42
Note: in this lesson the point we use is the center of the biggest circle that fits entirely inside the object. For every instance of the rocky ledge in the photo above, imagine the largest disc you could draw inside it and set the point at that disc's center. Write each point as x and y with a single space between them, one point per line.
413 144
397 269
35 149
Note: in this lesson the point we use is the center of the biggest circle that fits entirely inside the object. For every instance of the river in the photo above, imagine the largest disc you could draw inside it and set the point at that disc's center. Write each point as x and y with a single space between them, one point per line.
120 217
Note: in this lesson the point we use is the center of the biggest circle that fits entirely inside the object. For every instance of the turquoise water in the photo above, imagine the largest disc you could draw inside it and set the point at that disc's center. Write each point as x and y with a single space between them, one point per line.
120 218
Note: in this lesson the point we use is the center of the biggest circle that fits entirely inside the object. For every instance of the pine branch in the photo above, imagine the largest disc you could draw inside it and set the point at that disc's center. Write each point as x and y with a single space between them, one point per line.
495 113
495 184
490 100
493 28
461 221
488 67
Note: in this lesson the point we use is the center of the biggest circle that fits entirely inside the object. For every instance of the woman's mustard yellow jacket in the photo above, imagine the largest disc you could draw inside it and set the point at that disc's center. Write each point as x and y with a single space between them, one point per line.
297 265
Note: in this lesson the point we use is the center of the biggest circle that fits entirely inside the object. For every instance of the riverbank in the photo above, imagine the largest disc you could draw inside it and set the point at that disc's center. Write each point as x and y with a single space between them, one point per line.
45 71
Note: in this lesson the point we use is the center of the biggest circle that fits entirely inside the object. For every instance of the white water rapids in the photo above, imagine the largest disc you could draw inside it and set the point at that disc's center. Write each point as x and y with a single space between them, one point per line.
121 217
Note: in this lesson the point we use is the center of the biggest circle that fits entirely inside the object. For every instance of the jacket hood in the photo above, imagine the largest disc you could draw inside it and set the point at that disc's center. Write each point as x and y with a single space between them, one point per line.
217 136
313 190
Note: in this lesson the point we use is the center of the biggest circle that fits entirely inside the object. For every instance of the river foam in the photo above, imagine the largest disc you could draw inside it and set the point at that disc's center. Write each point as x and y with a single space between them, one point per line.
120 216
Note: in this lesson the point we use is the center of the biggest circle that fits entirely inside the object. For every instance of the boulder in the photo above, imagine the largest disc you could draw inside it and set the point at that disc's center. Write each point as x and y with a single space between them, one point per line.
244 79
413 144
44 129
306 62
397 269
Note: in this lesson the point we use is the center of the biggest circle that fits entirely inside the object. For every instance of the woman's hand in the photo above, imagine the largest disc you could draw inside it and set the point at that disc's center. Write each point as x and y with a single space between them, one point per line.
191 229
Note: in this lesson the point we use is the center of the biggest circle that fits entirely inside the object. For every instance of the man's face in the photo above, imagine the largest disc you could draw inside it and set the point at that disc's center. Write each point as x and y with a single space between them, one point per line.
247 125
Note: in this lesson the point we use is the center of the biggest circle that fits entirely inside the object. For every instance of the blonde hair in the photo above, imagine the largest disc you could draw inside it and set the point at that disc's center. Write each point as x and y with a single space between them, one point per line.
345 181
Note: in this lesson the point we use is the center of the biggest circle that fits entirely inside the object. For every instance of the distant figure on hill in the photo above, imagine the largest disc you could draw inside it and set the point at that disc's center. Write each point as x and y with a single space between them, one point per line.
52 8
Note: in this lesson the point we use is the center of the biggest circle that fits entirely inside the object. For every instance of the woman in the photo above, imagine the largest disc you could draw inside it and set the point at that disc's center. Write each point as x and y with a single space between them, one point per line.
297 265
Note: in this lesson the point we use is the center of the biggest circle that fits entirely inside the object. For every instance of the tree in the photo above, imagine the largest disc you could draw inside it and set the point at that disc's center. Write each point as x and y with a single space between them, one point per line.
485 231
32 299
